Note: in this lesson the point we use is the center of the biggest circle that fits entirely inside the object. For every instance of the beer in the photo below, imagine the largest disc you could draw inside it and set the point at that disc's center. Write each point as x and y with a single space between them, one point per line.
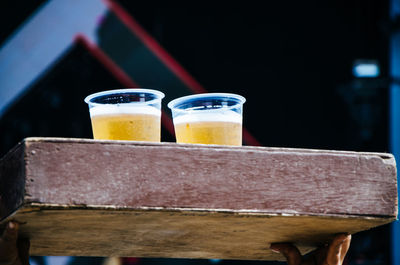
209 127
118 122
208 118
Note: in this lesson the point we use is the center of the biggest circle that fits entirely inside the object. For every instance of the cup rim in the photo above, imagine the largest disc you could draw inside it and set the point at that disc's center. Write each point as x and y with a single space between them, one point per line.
160 95
173 103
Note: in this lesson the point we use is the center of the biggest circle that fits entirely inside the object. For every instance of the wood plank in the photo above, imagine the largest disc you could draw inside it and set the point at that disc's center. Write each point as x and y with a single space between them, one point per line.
90 197
80 231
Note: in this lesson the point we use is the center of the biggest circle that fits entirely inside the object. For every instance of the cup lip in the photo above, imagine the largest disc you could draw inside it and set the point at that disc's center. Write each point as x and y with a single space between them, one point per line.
172 104
160 95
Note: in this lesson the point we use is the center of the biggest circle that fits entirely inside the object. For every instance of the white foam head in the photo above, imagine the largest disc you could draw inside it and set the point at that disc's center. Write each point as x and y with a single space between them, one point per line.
110 109
209 116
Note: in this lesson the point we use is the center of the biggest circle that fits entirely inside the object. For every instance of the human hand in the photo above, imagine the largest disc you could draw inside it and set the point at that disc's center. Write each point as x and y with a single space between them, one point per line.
332 254
13 251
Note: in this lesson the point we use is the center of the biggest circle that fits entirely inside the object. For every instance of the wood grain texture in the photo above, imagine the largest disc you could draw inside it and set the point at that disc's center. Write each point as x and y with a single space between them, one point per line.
203 177
193 201
79 231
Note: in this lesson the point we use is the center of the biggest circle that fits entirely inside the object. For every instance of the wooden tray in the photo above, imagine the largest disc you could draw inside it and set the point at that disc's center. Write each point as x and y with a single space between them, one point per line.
83 197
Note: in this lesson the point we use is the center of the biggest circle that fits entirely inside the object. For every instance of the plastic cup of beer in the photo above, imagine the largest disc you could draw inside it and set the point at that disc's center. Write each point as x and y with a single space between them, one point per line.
209 118
126 114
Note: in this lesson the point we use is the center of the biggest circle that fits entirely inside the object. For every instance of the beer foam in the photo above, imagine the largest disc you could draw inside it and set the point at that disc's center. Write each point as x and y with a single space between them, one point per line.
209 116
123 109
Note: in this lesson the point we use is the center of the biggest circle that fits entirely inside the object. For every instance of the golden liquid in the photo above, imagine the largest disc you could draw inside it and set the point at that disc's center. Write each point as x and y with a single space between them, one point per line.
134 127
209 132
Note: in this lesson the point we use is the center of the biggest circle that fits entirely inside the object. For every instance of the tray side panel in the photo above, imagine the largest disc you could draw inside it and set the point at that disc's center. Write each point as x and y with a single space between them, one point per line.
204 177
12 180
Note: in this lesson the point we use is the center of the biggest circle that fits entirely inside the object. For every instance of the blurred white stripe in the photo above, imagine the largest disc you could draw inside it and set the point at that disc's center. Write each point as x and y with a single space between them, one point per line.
41 40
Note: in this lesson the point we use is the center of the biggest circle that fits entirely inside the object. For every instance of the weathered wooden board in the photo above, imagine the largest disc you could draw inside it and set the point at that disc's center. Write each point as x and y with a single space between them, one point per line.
185 234
114 198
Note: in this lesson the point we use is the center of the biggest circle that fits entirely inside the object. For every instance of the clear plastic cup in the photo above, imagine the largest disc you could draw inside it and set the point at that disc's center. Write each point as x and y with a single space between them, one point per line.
126 114
210 118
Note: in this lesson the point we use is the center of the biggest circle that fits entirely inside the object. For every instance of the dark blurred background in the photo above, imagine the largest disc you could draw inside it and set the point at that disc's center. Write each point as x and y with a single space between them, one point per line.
295 62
